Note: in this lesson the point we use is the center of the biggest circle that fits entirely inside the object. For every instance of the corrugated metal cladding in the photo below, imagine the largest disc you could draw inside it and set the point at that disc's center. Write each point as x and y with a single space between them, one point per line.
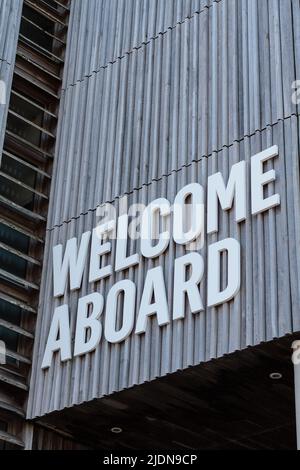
216 77
267 306
10 17
102 31
214 89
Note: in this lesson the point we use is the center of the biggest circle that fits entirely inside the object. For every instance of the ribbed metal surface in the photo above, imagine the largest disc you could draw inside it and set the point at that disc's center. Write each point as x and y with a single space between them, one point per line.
214 90
102 32
10 16
266 307
220 75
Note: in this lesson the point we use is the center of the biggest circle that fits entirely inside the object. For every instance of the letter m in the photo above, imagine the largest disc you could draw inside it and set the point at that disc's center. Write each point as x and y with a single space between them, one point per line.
217 192
72 263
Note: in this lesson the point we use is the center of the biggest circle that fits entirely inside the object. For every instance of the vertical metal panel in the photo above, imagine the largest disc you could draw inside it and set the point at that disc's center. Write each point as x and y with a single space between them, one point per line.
266 307
10 16
220 75
102 32
209 92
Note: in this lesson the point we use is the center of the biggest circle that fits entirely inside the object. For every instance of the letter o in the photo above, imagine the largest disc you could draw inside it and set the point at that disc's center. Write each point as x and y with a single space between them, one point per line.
110 332
197 214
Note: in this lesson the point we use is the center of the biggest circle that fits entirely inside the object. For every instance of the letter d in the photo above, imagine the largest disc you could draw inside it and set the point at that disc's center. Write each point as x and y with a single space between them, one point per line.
216 296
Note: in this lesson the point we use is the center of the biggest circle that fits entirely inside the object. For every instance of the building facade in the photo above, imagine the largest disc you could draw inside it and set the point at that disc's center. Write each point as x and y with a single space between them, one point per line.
150 214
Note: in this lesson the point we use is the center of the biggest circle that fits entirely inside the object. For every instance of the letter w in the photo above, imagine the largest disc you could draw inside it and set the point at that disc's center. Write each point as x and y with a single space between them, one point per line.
73 262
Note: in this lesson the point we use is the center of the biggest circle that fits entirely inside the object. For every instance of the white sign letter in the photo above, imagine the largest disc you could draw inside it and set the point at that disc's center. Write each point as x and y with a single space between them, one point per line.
150 229
97 250
195 215
214 295
111 333
87 322
59 338
190 287
74 260
122 260
259 179
216 191
154 287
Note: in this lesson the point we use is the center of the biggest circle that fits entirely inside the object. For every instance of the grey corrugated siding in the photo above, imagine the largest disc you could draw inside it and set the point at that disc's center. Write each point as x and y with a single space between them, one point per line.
267 306
217 77
10 17
100 33
214 90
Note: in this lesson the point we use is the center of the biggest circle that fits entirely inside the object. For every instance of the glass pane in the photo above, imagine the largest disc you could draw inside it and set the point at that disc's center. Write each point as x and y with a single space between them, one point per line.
12 191
10 312
14 238
23 130
18 171
13 264
41 21
26 110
